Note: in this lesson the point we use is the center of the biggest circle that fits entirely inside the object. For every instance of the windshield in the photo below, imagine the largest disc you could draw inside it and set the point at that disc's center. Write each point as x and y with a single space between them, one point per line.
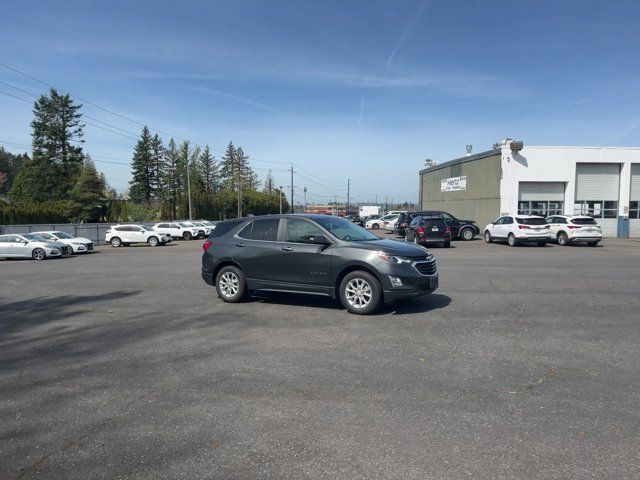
146 228
345 230
63 235
185 225
34 238
531 221
198 224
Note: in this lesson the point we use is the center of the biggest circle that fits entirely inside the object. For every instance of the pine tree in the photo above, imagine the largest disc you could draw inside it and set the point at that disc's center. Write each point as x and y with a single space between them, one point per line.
170 181
249 178
209 171
158 169
56 160
228 169
140 190
89 192
269 183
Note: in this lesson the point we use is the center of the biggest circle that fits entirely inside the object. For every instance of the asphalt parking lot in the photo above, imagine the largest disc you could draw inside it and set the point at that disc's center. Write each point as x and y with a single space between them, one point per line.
124 364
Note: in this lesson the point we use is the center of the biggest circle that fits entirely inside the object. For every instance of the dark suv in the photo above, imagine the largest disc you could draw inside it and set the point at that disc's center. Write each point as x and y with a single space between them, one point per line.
460 229
315 254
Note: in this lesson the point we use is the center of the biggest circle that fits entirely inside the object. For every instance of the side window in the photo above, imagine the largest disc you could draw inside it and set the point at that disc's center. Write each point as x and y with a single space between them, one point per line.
246 231
508 220
266 230
163 225
120 229
552 220
499 221
447 217
299 231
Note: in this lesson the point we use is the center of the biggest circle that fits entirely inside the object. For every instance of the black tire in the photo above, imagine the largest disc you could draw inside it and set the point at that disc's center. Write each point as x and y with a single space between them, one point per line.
375 226
487 237
511 240
153 241
542 244
593 244
187 235
230 284
446 244
126 244
563 239
467 234
38 254
364 293
115 242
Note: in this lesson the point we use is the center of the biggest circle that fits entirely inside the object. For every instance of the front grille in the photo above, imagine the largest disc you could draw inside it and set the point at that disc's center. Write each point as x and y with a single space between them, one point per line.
426 268
89 246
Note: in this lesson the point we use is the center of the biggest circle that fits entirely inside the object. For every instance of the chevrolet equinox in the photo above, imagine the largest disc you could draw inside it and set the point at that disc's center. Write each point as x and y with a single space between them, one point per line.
318 255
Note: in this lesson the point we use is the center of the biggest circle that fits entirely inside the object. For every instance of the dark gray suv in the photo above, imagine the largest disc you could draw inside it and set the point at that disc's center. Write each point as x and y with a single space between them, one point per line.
315 254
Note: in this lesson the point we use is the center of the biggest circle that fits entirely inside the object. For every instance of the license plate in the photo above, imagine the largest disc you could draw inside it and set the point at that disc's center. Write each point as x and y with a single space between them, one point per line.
434 229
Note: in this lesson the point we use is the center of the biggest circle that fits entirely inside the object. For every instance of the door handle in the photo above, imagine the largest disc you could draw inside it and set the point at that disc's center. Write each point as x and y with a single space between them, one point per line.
240 245
287 249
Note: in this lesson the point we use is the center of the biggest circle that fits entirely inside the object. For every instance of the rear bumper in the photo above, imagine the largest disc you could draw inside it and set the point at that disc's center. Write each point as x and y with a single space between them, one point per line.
584 239
208 278
534 238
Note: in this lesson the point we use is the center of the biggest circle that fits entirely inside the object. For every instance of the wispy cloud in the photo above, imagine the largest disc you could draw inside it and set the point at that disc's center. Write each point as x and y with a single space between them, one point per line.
406 32
230 96
361 110
630 128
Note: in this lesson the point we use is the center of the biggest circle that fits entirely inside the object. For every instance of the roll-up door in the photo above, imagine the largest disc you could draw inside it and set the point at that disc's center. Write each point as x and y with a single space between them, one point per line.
541 198
597 192
634 204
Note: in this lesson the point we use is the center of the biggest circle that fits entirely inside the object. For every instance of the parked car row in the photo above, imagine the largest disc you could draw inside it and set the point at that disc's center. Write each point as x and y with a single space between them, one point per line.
158 234
563 229
42 245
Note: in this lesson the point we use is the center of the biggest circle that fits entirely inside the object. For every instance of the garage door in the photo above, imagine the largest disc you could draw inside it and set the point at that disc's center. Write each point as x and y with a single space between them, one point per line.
597 191
634 204
541 198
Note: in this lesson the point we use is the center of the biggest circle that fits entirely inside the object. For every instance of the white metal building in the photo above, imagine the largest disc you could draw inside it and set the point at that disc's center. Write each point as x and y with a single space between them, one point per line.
603 182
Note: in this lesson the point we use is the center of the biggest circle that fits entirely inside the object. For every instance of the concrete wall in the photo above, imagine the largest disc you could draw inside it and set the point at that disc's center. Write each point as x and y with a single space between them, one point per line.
479 202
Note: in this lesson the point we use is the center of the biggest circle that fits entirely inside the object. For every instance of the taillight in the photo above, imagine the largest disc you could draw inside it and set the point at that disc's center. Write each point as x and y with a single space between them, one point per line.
206 245
523 227
420 231
447 230
108 231
572 227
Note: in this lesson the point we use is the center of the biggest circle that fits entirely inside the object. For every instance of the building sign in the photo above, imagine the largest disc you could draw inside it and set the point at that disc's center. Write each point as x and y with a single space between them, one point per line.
453 184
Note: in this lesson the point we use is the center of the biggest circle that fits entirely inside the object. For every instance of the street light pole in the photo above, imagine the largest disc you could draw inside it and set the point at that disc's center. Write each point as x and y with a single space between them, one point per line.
348 192
281 199
305 199
189 189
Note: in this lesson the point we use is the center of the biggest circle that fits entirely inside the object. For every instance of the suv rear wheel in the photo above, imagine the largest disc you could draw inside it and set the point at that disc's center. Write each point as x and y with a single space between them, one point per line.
467 234
511 240
187 235
563 239
230 284
360 293
375 226
115 242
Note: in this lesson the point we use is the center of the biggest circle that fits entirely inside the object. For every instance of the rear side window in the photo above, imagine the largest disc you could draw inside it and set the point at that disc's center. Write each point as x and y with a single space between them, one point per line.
531 221
266 229
584 221
224 227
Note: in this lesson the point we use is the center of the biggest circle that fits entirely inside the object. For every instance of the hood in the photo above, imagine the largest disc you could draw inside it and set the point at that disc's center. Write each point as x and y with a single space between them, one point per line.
81 240
392 247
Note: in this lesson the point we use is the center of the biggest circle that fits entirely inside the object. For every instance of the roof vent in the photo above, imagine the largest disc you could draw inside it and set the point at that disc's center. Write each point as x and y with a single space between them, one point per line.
469 148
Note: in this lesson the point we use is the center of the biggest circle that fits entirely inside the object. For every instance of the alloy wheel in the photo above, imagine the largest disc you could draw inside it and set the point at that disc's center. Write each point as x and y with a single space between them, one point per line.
358 293
229 284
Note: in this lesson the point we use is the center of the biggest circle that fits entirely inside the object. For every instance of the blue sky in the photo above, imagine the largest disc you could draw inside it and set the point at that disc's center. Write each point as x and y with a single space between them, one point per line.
343 89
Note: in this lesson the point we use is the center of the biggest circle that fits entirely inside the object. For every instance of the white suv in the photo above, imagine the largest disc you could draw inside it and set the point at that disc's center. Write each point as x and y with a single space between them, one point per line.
176 230
377 223
119 235
568 229
518 229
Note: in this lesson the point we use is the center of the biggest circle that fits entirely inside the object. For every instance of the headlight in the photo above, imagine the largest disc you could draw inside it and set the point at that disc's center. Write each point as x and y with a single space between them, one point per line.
393 259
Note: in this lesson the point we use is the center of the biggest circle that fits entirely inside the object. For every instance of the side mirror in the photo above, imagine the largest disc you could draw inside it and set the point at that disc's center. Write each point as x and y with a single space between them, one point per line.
25 242
320 240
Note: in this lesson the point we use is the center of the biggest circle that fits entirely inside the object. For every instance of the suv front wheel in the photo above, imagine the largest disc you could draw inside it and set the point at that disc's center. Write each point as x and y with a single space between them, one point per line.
230 284
360 293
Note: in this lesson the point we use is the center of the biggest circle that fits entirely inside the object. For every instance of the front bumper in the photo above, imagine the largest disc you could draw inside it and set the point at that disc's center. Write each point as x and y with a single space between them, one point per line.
414 283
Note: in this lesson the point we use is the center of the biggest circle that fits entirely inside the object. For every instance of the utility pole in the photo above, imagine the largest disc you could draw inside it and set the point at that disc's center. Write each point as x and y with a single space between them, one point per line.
305 199
239 190
386 204
281 199
189 188
292 204
348 193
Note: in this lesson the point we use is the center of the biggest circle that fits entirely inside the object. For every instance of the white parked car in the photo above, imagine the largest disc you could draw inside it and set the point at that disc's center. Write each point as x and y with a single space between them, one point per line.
176 230
78 244
125 235
29 246
390 224
377 223
517 229
202 227
567 229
